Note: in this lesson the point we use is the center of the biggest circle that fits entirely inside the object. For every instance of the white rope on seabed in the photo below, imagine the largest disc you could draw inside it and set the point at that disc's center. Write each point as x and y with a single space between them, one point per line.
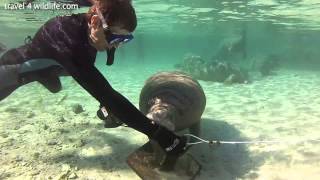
246 142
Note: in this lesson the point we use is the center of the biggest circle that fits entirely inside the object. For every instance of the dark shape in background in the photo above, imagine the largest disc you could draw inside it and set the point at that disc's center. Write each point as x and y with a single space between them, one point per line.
216 71
232 47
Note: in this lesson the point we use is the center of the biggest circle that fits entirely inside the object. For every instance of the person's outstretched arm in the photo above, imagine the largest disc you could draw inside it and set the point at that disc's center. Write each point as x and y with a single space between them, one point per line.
89 77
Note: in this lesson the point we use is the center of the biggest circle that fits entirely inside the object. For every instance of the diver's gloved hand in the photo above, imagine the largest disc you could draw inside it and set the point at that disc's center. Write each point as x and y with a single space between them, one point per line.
110 121
173 145
170 142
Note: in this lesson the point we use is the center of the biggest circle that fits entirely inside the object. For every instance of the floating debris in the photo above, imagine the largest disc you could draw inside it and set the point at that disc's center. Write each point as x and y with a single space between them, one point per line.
77 108
73 176
4 135
18 158
11 110
45 127
32 19
36 155
67 172
52 142
31 115
63 131
80 143
62 119
34 173
62 99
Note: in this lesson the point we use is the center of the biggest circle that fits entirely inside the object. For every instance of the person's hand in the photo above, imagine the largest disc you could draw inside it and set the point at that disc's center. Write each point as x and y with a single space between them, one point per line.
96 34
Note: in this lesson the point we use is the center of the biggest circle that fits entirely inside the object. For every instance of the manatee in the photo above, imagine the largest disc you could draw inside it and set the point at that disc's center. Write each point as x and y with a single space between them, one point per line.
174 100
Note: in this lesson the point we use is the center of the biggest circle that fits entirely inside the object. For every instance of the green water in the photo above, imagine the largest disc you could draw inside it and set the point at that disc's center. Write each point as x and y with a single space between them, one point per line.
167 30
283 106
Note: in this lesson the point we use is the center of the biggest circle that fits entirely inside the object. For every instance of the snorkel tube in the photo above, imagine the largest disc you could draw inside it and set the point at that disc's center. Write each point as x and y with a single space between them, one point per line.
110 56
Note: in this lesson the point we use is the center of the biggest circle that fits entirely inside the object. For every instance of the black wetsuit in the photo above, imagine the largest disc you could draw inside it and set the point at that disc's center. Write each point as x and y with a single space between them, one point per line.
65 40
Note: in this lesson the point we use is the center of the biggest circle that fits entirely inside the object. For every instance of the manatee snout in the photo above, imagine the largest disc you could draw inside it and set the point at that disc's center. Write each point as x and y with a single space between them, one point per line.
162 113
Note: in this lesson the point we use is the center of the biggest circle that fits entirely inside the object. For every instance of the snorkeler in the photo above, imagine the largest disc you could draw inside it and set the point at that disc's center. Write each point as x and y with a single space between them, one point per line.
72 42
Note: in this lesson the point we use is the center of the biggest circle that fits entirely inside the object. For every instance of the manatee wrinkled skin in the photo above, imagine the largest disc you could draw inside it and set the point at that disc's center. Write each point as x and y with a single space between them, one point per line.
174 100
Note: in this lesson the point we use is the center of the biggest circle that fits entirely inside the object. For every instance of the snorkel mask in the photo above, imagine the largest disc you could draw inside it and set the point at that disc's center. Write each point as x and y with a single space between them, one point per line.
112 38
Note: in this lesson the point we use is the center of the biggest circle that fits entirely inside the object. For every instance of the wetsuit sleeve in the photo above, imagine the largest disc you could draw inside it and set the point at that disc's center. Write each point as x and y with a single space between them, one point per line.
89 77
94 82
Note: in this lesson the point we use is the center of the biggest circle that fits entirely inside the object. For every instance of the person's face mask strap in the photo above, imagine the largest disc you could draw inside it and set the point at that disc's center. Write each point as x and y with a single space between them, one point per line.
110 37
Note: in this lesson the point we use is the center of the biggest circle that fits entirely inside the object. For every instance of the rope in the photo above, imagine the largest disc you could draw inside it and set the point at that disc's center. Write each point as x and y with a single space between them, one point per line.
200 141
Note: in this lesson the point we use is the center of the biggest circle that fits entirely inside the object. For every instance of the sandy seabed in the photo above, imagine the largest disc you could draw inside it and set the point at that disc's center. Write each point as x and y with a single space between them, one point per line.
43 137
